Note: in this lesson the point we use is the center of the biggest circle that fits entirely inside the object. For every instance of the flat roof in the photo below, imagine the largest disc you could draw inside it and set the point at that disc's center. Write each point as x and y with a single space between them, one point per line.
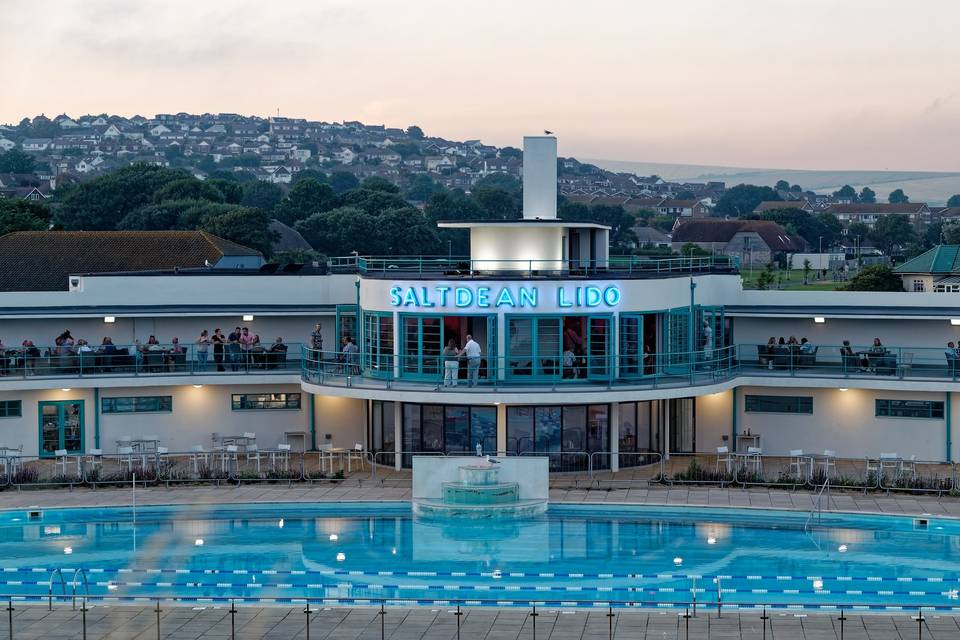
536 222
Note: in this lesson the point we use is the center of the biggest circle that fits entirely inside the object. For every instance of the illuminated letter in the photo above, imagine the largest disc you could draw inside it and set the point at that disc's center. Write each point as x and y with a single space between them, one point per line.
463 297
483 297
425 297
528 297
561 299
443 295
593 296
505 298
611 295
410 298
395 296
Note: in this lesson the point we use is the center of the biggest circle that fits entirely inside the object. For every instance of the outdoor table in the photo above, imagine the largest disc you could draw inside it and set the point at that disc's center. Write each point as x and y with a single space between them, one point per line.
338 452
221 441
747 440
824 461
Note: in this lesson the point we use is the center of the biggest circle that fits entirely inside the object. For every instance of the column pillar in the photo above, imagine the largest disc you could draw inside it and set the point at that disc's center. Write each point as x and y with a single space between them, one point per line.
665 406
614 436
733 421
947 418
398 434
501 429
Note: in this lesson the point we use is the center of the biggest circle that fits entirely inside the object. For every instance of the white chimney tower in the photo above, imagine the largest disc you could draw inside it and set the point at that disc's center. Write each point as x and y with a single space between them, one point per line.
539 177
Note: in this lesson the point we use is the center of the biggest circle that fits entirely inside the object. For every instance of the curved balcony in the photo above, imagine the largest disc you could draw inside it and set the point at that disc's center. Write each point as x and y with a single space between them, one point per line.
674 374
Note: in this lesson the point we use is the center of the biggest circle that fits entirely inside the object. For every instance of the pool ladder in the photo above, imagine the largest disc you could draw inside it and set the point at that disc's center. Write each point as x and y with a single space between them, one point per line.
817 508
58 573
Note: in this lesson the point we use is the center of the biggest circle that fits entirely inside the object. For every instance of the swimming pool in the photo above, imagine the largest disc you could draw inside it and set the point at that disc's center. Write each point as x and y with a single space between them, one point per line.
572 555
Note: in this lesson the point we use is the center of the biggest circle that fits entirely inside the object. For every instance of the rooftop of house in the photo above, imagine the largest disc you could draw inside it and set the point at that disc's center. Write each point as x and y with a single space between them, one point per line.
773 205
722 231
44 260
900 207
943 258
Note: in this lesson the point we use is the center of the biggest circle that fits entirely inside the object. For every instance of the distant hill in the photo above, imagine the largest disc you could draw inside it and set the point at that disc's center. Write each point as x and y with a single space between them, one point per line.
933 187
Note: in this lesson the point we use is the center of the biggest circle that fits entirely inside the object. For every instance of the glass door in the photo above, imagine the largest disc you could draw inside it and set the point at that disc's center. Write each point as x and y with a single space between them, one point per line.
421 346
378 343
677 345
347 323
598 347
61 426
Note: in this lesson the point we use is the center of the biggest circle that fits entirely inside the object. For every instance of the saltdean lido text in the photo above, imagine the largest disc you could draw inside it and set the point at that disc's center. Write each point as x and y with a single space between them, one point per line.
511 297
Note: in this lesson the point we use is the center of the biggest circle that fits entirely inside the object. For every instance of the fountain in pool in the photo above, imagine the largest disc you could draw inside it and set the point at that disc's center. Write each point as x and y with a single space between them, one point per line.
480 487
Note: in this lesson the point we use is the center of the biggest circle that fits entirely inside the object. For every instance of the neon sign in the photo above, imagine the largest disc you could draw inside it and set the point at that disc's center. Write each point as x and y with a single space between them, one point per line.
508 297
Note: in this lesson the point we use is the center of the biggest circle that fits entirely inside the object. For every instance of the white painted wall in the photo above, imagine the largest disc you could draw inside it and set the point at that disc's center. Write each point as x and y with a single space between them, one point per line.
343 419
196 414
539 177
502 247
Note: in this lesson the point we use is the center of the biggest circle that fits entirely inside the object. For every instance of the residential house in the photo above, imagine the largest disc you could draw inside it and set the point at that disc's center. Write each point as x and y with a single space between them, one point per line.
773 205
36 144
683 208
917 212
934 271
6 145
756 242
650 237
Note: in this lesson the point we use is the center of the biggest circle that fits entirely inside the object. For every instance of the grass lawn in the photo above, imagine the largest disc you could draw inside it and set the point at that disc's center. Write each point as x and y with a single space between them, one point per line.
789 280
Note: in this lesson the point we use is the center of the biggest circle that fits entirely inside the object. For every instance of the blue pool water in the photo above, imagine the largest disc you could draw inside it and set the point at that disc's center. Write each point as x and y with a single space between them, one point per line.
572 554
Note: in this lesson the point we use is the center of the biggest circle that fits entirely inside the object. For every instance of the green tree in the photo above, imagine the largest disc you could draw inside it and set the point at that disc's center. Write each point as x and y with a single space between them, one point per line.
406 149
832 229
693 250
339 231
261 195
892 231
102 202
742 199
343 181
877 277
954 200
499 181
23 215
765 279
303 174
795 188
376 183
305 198
867 196
620 223
807 268
663 223
951 233
406 231
897 196
496 203
297 256
686 194
511 152
188 189
415 132
243 225
231 189
782 185
846 192
16 161
421 188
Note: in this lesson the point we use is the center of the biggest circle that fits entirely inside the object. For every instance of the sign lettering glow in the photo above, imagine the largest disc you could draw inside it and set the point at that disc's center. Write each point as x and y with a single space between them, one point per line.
506 297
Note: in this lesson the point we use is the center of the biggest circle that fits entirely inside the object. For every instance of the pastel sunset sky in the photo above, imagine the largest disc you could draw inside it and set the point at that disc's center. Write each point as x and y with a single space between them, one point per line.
814 84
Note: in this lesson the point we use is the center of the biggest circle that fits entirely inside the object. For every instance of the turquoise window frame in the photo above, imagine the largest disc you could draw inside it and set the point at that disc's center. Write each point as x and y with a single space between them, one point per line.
887 408
424 370
347 315
11 408
108 406
61 415
376 362
237 402
537 370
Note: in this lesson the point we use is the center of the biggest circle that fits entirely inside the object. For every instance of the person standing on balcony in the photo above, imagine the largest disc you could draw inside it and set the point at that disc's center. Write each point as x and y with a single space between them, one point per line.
472 351
218 341
203 349
451 363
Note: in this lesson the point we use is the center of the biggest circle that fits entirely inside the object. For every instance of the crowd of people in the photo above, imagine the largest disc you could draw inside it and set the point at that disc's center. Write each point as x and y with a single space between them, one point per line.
241 349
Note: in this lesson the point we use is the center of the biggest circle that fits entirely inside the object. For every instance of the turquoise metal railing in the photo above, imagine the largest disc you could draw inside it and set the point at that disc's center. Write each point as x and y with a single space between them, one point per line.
625 266
146 359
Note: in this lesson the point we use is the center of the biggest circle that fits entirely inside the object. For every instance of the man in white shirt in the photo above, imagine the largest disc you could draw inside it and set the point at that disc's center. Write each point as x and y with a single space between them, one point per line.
472 351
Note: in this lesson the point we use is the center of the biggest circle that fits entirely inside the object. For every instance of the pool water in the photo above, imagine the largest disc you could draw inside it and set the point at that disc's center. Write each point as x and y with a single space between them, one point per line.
572 555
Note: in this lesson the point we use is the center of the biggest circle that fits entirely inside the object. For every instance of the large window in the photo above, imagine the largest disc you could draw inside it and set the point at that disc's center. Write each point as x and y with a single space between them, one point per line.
778 404
378 343
548 429
254 401
536 346
382 433
137 404
452 429
10 408
909 409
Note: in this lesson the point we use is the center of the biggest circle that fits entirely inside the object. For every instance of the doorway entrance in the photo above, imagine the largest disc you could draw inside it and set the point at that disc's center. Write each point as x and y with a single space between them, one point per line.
61 426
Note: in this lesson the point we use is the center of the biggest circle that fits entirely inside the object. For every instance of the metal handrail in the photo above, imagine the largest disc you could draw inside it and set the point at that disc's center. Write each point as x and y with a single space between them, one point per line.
817 507
63 587
86 585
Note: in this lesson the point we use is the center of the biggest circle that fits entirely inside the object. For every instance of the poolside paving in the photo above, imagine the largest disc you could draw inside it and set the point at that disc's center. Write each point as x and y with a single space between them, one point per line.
34 622
355 623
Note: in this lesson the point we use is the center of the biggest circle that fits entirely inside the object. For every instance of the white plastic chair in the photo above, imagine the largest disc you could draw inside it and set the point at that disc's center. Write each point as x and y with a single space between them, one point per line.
755 459
252 452
909 466
797 462
198 454
94 458
125 457
828 461
249 438
282 456
358 454
228 456
62 460
724 458
324 455
890 462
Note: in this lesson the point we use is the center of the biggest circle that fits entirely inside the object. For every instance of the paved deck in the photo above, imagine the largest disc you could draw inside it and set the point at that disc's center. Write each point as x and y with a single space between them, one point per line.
561 491
249 623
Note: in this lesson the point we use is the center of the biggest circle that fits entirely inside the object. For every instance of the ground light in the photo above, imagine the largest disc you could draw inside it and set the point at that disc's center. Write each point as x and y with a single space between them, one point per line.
198 542
334 537
198 386
678 561
711 540
341 557
842 548
68 550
